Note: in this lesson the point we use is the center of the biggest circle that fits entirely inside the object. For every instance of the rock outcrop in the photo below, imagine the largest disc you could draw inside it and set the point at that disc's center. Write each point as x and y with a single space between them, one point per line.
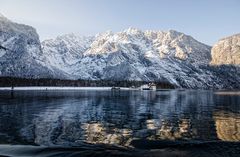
227 51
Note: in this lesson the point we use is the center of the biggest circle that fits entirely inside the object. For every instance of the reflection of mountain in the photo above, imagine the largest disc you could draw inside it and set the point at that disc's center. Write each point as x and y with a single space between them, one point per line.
70 118
117 118
97 133
181 130
227 126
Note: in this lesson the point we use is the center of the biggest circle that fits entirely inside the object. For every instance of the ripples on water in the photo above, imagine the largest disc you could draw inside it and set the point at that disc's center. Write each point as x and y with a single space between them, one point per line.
69 118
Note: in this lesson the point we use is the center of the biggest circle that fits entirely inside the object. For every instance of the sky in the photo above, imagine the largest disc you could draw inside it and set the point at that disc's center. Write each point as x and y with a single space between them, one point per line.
205 20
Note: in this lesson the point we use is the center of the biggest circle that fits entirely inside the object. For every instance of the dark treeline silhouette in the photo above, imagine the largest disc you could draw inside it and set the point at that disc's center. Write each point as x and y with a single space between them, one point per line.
18 82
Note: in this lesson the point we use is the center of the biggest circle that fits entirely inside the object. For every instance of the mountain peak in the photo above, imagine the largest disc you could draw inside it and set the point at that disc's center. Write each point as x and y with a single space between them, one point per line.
174 33
132 30
229 37
68 35
104 34
2 17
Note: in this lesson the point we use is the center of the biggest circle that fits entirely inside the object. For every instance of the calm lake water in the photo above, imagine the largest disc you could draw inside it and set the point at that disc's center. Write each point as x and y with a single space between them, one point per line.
69 118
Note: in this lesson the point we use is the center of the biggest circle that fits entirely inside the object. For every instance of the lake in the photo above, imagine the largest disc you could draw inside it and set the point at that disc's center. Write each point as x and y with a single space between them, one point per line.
72 118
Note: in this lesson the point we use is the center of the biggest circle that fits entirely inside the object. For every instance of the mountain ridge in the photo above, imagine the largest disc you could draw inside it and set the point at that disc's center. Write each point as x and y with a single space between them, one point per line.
132 54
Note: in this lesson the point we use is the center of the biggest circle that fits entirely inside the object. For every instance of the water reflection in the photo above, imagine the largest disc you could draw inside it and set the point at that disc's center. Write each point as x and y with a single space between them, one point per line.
227 126
70 118
97 133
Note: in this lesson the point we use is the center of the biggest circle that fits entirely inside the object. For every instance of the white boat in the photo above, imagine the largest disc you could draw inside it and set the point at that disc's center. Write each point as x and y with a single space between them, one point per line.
150 86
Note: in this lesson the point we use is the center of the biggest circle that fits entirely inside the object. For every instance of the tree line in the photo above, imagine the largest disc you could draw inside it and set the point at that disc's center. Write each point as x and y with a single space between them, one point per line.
18 82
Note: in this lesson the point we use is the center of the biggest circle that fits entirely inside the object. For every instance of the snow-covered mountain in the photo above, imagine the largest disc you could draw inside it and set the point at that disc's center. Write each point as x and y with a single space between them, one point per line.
132 54
20 51
65 52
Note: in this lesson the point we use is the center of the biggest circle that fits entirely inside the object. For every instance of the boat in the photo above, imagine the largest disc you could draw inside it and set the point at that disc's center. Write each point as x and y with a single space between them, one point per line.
150 86
115 88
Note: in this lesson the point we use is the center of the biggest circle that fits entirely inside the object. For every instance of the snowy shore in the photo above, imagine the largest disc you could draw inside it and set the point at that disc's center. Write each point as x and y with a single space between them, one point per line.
61 88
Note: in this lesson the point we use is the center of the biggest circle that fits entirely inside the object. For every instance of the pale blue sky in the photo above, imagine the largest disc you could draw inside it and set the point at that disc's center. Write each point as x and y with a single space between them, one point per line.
205 20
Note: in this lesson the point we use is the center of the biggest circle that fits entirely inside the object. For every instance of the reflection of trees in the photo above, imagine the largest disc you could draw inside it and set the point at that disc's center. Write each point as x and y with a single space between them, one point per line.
227 126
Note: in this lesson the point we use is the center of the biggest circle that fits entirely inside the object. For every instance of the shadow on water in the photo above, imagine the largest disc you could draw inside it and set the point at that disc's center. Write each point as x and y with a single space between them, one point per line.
127 123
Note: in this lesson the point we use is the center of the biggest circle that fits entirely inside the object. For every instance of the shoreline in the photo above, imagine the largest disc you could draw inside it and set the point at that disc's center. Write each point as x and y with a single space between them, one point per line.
58 88
46 88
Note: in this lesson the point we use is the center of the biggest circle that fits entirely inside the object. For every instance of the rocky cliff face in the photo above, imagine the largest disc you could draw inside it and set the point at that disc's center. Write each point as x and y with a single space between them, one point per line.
227 51
20 51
